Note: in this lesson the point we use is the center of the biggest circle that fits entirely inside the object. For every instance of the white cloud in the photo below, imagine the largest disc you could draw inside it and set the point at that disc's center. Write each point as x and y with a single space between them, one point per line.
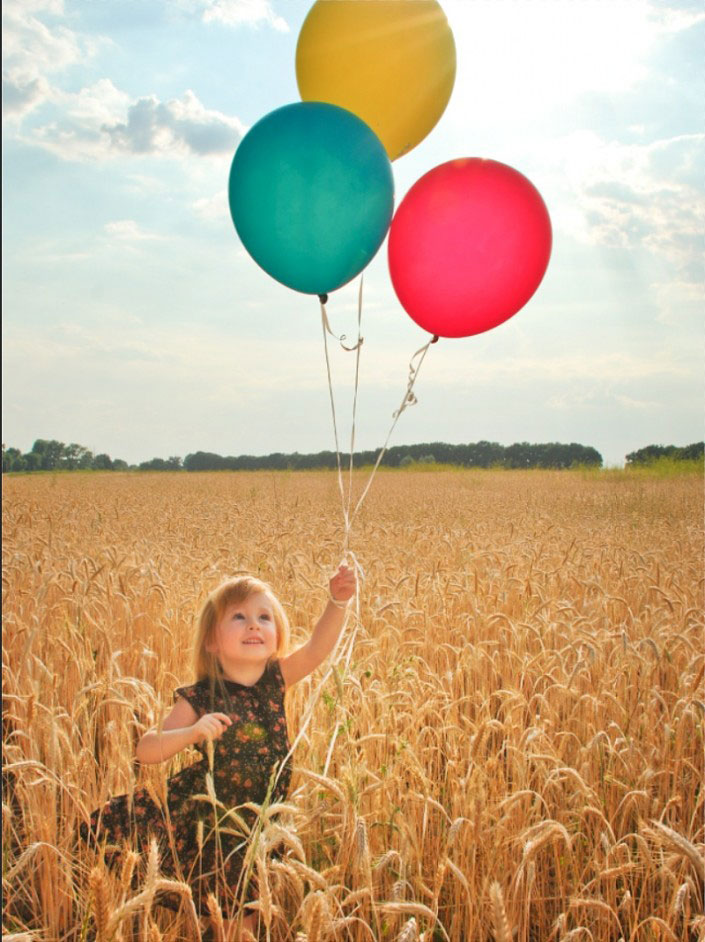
94 104
127 230
679 303
100 122
183 125
22 93
142 184
446 366
55 7
671 20
29 52
29 45
242 12
33 51
644 196
606 366
629 402
212 207
186 355
77 134
596 395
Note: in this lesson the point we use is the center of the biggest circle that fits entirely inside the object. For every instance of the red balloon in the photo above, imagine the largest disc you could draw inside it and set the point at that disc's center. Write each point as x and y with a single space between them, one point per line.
468 246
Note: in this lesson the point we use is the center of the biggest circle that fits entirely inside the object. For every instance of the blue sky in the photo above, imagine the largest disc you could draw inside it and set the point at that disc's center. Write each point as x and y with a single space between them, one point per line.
136 324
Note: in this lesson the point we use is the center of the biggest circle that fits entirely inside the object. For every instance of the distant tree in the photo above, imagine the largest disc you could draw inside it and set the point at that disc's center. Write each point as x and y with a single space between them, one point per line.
159 464
205 461
12 460
485 454
694 452
427 459
281 462
322 459
651 453
50 453
557 455
76 456
85 461
363 457
518 455
119 465
406 461
585 455
647 454
103 462
396 455
33 461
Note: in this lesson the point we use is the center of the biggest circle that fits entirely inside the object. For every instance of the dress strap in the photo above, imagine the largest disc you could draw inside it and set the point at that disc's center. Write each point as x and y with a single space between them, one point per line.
274 673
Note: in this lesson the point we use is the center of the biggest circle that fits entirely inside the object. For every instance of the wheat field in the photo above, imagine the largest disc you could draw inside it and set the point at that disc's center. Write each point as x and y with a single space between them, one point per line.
512 751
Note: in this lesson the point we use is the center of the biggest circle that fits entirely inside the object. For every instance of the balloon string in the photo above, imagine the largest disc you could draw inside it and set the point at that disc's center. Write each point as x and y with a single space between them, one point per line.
327 328
341 488
354 411
409 399
345 644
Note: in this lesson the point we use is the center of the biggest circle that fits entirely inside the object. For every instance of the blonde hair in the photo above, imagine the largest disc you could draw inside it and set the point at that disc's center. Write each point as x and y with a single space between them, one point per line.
206 665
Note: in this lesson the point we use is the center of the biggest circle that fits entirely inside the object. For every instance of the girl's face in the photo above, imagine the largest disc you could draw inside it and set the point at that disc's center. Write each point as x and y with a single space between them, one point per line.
246 631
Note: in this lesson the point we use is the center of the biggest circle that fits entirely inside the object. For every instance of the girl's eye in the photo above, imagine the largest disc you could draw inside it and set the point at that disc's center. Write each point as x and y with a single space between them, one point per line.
238 615
266 617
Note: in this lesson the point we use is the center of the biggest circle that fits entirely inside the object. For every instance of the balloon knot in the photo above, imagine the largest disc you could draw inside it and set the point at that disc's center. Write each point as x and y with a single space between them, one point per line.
323 298
435 338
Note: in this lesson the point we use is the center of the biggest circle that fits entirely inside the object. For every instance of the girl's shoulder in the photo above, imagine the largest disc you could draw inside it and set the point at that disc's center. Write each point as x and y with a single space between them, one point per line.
198 695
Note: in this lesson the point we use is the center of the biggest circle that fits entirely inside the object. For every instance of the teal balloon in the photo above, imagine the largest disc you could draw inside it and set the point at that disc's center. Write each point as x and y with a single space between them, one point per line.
311 195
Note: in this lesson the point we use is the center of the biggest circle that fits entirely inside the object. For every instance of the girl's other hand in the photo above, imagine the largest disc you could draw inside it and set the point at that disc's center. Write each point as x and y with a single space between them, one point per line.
342 585
210 726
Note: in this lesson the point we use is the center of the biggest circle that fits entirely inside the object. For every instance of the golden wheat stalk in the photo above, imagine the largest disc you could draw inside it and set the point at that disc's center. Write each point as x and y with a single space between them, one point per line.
216 917
500 922
681 845
102 904
409 931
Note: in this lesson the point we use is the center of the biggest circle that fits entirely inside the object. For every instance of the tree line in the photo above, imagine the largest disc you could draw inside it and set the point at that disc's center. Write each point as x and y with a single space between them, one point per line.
52 455
652 453
478 455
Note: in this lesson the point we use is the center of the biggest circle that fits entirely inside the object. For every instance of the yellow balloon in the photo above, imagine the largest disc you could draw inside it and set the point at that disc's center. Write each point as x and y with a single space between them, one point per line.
390 62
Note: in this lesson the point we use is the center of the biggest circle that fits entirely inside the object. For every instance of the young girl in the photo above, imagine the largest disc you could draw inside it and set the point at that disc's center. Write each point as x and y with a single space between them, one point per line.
242 671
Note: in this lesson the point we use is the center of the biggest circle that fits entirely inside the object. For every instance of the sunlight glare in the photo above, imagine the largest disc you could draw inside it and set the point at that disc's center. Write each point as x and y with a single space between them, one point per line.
523 58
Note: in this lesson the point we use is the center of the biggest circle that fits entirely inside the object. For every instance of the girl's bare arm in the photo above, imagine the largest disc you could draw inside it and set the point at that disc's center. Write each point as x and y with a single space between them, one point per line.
325 632
181 728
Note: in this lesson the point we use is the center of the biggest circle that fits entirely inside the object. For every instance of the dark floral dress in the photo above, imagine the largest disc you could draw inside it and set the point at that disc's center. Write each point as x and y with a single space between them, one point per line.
197 841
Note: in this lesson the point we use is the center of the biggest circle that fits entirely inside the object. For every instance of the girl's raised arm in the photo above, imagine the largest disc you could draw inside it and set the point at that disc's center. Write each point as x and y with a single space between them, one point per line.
326 630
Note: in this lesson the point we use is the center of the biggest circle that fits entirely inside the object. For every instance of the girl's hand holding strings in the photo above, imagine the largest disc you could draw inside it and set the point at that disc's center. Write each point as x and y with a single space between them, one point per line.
210 726
342 586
